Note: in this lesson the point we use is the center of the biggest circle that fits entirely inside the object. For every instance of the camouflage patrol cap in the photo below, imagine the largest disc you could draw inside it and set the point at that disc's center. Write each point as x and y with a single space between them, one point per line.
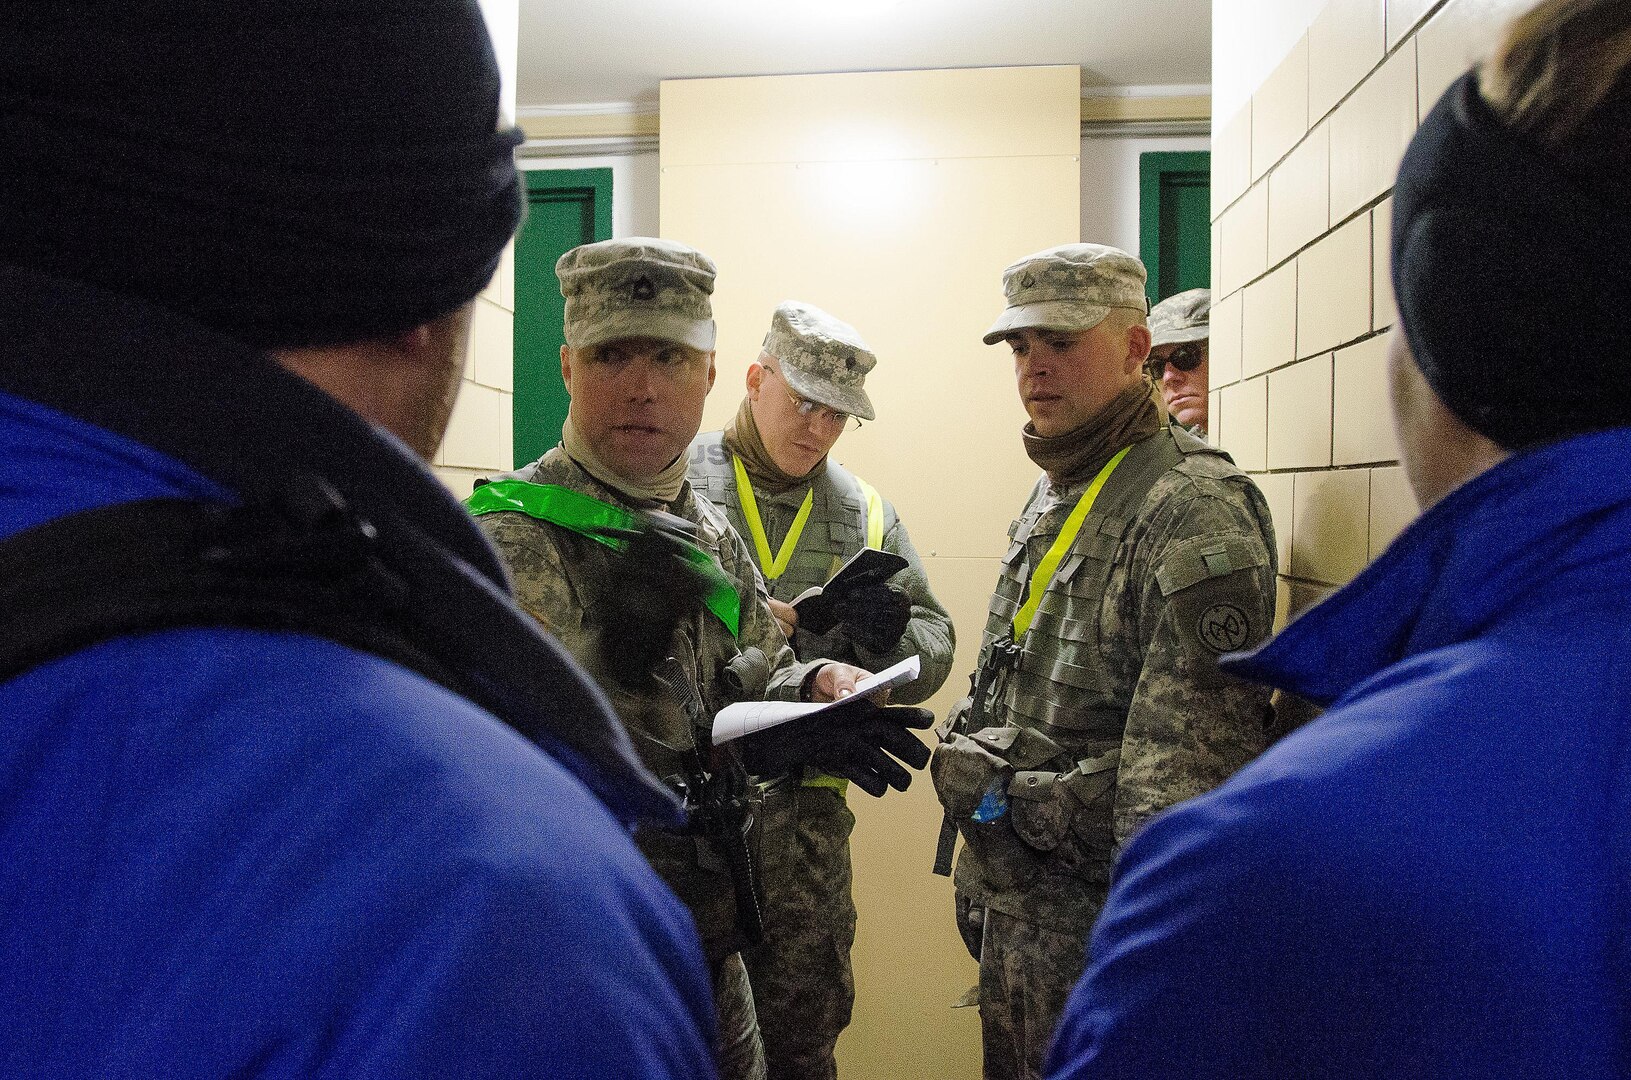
638 286
822 359
1070 287
1182 317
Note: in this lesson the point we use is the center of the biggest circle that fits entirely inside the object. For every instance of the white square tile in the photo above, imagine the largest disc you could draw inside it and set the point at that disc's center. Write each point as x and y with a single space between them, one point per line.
1269 322
1345 42
1369 133
1330 517
1300 415
1361 416
1331 310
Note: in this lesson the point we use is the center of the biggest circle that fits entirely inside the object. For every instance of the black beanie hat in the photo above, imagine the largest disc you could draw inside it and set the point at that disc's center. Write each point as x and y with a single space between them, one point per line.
1512 274
290 172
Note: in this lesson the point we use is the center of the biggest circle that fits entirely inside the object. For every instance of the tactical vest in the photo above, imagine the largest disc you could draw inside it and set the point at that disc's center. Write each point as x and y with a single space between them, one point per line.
1052 715
836 528
1062 684
846 514
669 741
669 731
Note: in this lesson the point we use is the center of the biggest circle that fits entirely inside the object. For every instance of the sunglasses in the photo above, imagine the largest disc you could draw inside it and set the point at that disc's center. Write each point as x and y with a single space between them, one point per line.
1186 357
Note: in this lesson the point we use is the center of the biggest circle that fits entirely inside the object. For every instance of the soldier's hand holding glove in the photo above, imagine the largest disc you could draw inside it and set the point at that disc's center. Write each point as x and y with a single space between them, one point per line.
853 739
655 591
876 616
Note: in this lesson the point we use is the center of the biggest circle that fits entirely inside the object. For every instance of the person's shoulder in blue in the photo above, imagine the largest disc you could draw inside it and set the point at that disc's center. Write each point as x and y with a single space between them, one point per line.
289 785
239 852
1429 880
242 853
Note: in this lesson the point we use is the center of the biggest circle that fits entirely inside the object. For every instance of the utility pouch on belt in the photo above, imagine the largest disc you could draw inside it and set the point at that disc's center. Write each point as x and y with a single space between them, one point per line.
1001 660
968 770
1066 814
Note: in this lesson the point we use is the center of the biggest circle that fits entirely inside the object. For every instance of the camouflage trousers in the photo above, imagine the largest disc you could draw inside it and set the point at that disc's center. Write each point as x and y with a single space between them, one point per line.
1026 975
741 1052
801 972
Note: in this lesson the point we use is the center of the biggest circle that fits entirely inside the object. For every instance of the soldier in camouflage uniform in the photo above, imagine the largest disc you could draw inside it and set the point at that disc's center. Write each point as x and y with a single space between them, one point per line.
805 516
1141 555
1180 327
638 364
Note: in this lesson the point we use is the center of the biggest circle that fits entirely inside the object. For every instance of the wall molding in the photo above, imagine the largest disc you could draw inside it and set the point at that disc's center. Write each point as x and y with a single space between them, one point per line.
617 128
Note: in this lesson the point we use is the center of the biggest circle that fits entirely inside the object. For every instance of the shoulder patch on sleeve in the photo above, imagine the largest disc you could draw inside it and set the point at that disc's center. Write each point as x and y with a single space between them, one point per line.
1224 628
1204 558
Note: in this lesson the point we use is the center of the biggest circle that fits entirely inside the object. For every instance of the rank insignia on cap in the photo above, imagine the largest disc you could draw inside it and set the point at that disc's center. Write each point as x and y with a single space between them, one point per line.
1027 282
641 288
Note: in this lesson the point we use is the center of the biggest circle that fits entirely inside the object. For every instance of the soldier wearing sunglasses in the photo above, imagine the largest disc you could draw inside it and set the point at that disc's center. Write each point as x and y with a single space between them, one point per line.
1179 329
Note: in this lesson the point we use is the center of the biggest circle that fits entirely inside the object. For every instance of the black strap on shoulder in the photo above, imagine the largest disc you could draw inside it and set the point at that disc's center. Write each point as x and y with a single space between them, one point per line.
169 563
303 564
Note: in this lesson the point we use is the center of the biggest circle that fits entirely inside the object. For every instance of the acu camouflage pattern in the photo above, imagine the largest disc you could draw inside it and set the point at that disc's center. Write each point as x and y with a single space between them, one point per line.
559 576
1026 975
1116 709
741 1049
835 530
638 286
1070 287
804 985
822 358
1181 317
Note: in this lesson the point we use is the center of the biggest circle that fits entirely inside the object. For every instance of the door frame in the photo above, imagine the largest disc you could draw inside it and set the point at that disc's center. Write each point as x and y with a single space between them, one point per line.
551 185
1153 168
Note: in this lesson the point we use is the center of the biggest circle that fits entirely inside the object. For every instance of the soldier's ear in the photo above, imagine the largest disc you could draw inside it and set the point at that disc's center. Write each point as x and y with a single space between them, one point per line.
756 378
711 370
1138 347
566 369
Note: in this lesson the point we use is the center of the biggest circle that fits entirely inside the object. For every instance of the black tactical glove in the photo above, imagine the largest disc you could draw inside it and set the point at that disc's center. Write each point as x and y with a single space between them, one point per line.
853 739
875 616
654 592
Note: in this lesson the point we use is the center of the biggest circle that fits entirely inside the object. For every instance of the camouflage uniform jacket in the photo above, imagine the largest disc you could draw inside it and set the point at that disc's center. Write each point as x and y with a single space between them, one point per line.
558 575
836 530
1174 566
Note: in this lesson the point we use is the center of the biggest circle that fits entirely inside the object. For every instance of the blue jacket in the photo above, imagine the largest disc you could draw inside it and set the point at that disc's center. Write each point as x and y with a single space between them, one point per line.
1431 880
231 852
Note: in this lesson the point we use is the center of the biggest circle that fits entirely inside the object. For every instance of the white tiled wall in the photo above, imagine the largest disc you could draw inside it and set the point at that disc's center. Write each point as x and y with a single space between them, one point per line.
480 437
1303 303
1333 306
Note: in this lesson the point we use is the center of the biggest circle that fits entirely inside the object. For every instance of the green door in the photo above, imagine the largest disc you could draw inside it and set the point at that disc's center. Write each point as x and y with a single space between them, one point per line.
1175 228
565 208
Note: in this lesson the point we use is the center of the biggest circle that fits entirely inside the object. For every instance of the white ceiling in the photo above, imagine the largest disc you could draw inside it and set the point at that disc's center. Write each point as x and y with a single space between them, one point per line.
578 52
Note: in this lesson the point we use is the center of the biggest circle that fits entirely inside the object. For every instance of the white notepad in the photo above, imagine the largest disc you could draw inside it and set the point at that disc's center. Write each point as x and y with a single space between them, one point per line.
746 717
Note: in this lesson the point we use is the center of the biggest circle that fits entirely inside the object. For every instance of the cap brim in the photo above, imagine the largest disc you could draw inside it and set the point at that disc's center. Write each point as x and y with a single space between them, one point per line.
698 334
1180 337
855 402
1048 315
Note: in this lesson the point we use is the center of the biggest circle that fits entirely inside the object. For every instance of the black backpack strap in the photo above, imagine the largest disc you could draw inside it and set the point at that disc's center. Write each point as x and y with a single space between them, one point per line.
168 563
305 564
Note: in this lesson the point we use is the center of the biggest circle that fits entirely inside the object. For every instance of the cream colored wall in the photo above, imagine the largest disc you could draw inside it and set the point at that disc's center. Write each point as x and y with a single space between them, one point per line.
480 437
1301 176
893 200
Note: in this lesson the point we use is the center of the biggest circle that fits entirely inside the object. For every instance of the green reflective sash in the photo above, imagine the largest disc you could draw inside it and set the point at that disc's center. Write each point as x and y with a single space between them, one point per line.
603 523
